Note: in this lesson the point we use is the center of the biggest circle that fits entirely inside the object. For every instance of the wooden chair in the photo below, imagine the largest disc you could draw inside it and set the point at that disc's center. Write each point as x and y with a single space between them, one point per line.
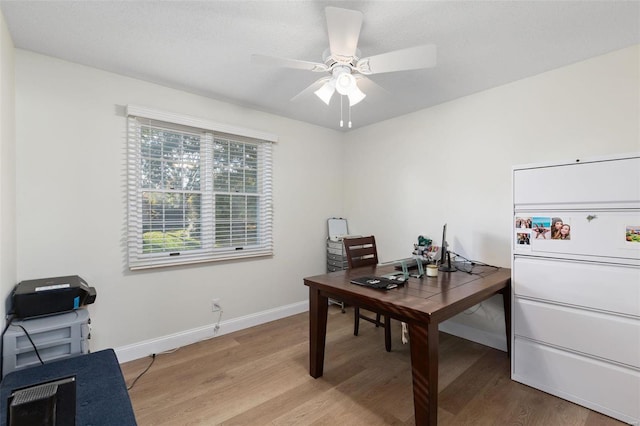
361 251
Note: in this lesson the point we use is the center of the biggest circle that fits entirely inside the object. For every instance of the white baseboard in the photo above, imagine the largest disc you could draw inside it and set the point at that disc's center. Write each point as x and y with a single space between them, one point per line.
188 337
493 340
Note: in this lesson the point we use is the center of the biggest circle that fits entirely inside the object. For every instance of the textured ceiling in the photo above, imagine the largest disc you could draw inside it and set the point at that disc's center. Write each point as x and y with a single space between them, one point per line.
205 47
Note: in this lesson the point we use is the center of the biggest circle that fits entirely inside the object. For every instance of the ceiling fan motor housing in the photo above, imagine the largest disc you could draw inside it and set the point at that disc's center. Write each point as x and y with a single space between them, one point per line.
331 61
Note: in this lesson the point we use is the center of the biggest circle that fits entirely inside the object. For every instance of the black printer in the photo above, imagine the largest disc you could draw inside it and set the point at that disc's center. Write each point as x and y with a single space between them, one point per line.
47 296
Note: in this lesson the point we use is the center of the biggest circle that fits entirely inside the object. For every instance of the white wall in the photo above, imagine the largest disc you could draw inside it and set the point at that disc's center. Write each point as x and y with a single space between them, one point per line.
7 166
452 163
72 205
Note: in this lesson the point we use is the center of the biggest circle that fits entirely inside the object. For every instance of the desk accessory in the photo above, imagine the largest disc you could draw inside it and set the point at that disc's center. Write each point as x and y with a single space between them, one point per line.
432 270
380 283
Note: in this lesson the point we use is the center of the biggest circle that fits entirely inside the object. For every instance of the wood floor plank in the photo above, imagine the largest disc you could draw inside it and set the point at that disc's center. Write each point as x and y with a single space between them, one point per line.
467 386
285 403
260 376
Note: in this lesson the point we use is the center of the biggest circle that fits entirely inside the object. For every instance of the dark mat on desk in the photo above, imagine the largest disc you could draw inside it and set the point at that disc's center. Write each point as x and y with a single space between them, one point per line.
379 283
102 397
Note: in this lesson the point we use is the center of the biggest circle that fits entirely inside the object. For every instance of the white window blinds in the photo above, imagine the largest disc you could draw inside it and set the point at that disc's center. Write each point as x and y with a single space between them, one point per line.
198 191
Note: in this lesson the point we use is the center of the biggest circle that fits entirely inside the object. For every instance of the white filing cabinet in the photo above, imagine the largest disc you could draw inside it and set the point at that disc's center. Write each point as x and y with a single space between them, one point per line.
576 295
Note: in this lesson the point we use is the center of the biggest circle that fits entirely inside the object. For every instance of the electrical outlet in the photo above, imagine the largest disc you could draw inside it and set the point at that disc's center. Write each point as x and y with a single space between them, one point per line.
215 305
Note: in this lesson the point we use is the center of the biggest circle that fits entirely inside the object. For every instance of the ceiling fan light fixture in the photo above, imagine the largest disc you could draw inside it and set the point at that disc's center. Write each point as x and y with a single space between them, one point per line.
325 93
355 95
345 83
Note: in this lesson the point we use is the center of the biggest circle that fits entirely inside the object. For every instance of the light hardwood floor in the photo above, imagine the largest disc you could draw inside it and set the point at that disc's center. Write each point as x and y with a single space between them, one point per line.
260 376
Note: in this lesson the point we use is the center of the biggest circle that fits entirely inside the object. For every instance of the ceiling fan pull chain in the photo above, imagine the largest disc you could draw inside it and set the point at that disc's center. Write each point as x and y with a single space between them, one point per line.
341 121
349 114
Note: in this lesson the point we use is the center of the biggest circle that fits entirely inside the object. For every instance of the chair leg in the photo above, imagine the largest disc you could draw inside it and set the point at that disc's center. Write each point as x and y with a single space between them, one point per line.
387 333
378 320
356 320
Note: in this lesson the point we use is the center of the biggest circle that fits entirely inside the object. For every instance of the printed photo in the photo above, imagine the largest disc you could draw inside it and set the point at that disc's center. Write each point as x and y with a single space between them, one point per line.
541 227
523 238
633 234
523 222
560 229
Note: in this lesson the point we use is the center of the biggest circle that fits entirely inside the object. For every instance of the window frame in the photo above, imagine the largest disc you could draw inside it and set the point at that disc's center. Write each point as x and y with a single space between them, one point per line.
209 131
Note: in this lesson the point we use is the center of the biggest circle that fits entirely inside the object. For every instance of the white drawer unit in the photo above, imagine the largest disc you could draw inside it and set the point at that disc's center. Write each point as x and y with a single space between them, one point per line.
582 284
576 282
611 337
336 256
54 337
593 383
592 235
596 182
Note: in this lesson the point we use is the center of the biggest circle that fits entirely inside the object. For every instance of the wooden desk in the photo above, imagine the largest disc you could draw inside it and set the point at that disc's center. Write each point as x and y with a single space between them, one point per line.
421 303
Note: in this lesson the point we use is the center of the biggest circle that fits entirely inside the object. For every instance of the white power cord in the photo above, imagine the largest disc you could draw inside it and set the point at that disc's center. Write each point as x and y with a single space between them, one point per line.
216 327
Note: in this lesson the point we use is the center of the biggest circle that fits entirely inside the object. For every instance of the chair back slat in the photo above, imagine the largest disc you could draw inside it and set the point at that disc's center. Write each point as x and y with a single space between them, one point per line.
361 251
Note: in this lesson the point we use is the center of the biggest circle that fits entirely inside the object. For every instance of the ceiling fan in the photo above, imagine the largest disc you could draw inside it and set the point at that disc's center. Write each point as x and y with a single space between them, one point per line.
343 62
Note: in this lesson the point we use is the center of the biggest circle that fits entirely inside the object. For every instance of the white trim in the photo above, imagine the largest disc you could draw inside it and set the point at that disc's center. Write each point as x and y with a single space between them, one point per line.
201 123
188 337
493 340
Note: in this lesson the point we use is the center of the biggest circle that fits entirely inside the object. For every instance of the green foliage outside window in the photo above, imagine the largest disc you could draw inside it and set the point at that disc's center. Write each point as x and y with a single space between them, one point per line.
157 242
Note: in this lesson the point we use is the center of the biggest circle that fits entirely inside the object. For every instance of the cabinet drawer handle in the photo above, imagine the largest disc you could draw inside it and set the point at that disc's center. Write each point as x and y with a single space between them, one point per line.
591 217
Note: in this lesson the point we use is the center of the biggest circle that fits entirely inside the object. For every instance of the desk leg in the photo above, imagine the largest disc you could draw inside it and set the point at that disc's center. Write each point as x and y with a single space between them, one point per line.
506 300
318 307
423 339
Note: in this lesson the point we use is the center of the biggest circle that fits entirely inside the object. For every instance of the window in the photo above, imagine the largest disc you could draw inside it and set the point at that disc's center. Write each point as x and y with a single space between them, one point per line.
198 191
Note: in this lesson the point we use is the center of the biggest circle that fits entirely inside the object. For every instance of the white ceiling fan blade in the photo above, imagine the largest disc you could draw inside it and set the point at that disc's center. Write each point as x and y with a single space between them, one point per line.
375 92
288 63
343 27
370 87
399 60
310 89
